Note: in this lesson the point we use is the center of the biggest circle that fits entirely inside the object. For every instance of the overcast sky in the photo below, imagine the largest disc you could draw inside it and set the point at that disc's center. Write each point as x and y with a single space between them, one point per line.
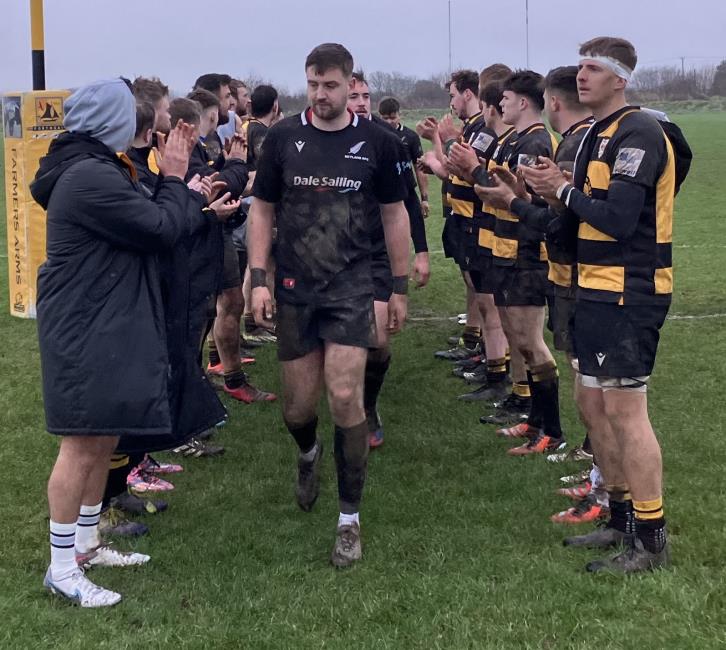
91 39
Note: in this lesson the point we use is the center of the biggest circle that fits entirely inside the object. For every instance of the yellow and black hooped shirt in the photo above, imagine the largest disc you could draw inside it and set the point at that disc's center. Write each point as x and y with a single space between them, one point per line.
485 215
623 196
460 194
516 244
562 261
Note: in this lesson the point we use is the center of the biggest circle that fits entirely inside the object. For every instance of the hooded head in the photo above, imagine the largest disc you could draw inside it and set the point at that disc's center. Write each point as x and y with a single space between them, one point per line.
104 110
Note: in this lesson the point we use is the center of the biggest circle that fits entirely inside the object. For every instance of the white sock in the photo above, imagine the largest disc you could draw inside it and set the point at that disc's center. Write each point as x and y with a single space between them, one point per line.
309 456
347 520
87 537
596 478
62 550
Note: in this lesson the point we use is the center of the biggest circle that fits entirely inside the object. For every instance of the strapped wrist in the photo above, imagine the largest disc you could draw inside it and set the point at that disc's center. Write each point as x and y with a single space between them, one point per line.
400 284
258 278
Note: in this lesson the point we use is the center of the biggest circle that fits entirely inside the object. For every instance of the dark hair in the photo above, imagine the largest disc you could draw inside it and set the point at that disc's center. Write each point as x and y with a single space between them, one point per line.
262 100
389 106
617 48
492 95
149 90
187 110
562 82
145 115
360 77
527 83
464 80
330 55
205 98
212 82
494 72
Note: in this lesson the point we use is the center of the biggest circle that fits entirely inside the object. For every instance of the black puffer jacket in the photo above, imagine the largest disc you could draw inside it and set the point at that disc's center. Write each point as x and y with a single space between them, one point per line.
102 323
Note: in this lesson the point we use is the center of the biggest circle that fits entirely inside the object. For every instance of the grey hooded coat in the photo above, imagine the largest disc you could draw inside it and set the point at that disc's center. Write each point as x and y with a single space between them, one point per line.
101 320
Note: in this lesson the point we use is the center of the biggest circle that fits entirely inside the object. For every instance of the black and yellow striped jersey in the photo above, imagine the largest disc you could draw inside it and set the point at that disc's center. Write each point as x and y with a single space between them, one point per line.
514 242
561 260
485 215
460 194
623 197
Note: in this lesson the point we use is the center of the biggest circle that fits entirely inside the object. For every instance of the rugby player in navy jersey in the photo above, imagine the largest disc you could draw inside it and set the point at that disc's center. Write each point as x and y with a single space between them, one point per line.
389 109
379 358
317 173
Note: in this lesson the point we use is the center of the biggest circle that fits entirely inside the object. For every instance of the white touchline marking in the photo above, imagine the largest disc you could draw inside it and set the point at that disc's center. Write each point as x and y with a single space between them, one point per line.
684 246
694 317
699 245
686 317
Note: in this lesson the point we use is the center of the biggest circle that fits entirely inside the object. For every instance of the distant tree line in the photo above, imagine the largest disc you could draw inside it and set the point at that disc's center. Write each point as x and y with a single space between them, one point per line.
409 90
648 84
673 83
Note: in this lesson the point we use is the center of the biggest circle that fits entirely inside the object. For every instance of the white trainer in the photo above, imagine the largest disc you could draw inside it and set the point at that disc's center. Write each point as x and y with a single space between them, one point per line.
80 590
108 556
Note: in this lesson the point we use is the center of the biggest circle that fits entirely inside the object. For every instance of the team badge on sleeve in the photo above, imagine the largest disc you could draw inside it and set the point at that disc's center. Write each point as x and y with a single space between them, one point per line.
628 161
482 142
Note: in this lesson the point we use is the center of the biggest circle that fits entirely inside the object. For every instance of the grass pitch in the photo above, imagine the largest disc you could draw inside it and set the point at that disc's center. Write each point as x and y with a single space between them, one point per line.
458 548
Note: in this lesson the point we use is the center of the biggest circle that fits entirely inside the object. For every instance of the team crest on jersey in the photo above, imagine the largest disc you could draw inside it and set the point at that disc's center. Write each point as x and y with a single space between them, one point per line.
482 142
355 150
628 161
603 144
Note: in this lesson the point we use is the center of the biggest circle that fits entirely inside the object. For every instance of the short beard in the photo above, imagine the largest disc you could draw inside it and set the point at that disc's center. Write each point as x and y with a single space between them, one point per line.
328 112
223 118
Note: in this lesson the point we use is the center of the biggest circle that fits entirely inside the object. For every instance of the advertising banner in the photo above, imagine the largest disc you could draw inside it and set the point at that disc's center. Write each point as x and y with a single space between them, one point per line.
30 121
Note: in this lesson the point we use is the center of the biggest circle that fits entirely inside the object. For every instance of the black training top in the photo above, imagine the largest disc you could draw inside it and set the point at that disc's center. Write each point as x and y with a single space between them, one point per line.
411 141
323 183
413 207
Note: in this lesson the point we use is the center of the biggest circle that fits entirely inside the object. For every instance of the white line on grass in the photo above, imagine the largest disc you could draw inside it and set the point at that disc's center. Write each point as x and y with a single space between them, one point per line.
699 246
686 246
695 317
441 319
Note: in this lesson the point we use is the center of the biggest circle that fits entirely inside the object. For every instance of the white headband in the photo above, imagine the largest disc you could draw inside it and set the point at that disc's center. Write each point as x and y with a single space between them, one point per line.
615 66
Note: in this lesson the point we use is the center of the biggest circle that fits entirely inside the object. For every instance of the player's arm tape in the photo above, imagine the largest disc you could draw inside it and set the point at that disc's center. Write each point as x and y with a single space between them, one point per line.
258 278
400 284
